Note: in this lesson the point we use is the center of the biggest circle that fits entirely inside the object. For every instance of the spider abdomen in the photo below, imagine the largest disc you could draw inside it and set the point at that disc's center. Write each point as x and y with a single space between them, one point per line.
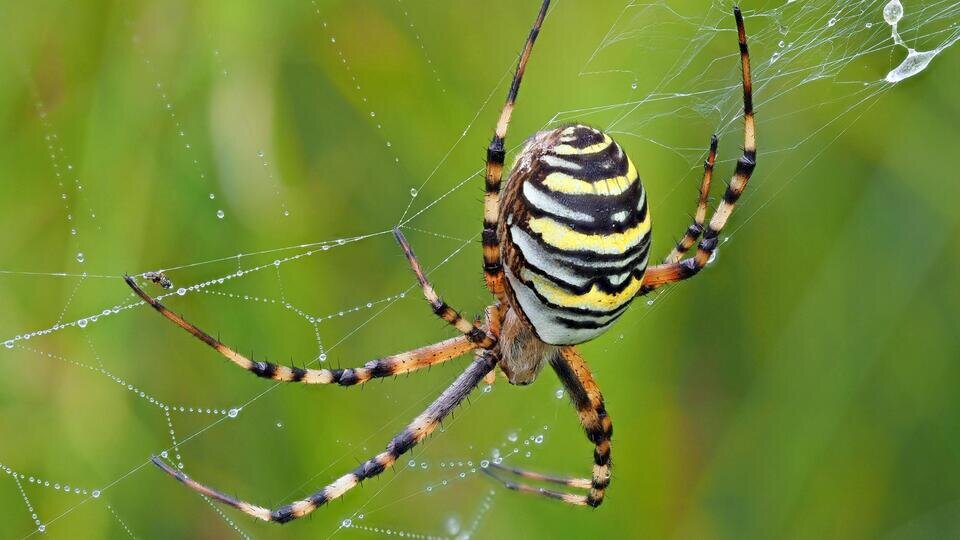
575 233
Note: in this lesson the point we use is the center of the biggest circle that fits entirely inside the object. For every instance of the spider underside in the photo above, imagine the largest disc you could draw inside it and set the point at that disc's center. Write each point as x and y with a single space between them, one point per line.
551 292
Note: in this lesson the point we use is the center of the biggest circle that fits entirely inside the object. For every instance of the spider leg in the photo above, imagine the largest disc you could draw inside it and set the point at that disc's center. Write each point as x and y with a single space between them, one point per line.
492 317
381 367
492 266
573 372
583 483
663 274
569 498
415 432
693 232
479 337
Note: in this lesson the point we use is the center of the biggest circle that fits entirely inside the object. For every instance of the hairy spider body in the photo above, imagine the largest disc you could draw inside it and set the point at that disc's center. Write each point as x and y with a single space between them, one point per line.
522 353
575 234
564 254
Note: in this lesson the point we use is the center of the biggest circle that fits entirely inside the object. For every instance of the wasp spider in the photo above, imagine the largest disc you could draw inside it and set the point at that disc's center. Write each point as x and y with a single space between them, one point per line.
565 250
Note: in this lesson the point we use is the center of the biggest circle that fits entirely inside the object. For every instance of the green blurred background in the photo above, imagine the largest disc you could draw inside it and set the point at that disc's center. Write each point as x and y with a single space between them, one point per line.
803 386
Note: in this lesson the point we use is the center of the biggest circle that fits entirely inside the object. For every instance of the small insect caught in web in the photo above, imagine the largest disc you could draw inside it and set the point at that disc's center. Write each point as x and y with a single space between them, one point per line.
158 278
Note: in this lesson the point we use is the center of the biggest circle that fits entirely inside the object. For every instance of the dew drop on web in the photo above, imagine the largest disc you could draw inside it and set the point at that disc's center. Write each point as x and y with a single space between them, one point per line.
893 12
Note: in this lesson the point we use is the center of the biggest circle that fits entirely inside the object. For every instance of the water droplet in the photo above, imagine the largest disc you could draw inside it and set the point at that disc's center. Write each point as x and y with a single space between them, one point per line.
95 494
413 192
487 389
512 437
279 425
832 22
868 25
893 12
559 393
80 257
82 323
634 85
8 343
333 40
453 525
484 464
220 214
347 523
260 153
181 291
41 528
232 413
212 196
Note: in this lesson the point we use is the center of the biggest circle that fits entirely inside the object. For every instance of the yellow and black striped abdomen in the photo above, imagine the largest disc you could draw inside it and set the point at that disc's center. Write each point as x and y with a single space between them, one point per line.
575 233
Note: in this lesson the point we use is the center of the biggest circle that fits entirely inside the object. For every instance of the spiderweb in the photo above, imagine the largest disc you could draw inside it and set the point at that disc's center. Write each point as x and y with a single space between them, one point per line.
645 69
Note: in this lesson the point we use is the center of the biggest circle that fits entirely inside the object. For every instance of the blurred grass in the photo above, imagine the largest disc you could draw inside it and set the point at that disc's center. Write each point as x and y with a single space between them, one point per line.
802 387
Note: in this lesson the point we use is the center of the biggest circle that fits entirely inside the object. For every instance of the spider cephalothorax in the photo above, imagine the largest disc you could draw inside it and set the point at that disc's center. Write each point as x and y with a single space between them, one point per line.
564 255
